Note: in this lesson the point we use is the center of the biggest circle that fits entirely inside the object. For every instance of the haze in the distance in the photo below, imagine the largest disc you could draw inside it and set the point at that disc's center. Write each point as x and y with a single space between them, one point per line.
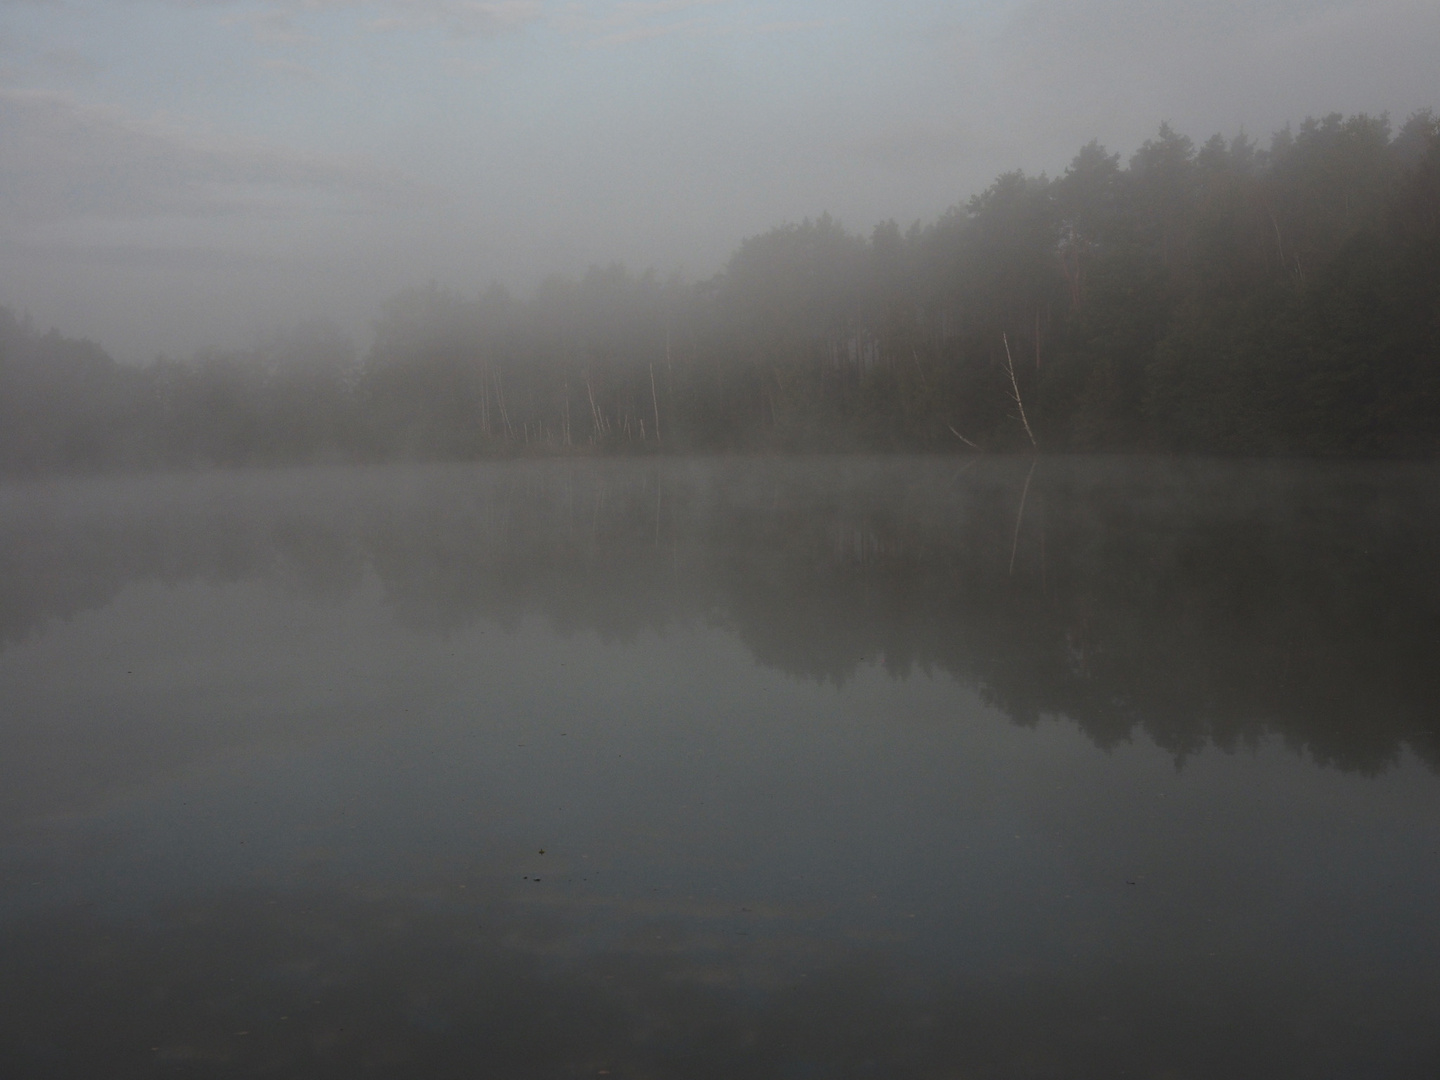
177 173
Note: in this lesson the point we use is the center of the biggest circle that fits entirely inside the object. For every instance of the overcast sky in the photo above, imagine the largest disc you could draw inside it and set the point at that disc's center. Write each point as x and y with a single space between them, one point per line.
181 173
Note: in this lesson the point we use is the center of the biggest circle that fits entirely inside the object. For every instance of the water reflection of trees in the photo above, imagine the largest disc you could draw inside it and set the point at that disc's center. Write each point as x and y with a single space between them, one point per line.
1200 604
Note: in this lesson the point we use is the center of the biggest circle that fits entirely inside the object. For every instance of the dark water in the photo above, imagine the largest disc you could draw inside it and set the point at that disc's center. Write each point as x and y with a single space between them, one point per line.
746 769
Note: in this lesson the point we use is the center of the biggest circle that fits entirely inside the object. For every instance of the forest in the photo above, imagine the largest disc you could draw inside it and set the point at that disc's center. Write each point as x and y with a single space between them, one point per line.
1223 299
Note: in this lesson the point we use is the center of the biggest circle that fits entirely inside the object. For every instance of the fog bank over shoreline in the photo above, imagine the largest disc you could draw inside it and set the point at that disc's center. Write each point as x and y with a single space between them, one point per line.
1221 298
188 176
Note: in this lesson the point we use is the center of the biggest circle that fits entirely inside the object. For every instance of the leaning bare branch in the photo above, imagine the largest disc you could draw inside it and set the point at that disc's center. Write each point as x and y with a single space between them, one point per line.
1015 390
962 438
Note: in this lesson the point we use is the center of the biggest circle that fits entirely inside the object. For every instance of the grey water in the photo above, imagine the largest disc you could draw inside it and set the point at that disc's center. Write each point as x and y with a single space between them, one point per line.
763 768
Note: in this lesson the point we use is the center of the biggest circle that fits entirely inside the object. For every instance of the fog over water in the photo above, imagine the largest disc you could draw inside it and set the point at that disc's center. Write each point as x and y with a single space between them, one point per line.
839 767
712 538
186 175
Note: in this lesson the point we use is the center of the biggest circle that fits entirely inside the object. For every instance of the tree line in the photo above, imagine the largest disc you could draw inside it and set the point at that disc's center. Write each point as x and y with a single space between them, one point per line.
1223 299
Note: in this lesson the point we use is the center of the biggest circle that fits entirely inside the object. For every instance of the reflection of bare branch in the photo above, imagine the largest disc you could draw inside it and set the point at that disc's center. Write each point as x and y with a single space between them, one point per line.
1015 390
921 372
963 469
1020 516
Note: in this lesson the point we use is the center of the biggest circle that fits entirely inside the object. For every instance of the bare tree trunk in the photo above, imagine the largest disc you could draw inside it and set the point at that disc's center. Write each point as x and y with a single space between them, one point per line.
1015 391
655 398
485 402
504 413
594 409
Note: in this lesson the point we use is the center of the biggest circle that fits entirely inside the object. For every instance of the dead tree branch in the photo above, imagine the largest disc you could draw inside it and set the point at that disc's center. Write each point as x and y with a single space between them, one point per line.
1015 390
962 438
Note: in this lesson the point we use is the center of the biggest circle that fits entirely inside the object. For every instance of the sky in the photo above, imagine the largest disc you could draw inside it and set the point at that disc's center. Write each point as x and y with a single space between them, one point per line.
182 174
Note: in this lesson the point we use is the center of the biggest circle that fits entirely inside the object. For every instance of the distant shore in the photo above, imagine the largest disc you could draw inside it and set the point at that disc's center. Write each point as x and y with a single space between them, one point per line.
1225 299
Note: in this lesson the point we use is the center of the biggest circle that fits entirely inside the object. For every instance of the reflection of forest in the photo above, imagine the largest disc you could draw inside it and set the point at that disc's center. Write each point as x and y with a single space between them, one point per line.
1206 603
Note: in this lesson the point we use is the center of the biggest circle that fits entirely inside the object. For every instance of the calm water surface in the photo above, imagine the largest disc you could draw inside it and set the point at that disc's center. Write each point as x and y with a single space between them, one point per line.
723 769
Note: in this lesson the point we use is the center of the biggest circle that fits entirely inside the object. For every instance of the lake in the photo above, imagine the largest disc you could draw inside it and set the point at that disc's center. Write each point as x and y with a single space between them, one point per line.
836 767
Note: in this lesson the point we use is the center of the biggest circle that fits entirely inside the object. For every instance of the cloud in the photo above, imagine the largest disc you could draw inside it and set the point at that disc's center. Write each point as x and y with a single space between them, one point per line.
789 26
68 159
646 20
459 18
909 146
291 69
581 18
1115 65
269 27
278 22
187 259
690 28
272 28
72 63
634 20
